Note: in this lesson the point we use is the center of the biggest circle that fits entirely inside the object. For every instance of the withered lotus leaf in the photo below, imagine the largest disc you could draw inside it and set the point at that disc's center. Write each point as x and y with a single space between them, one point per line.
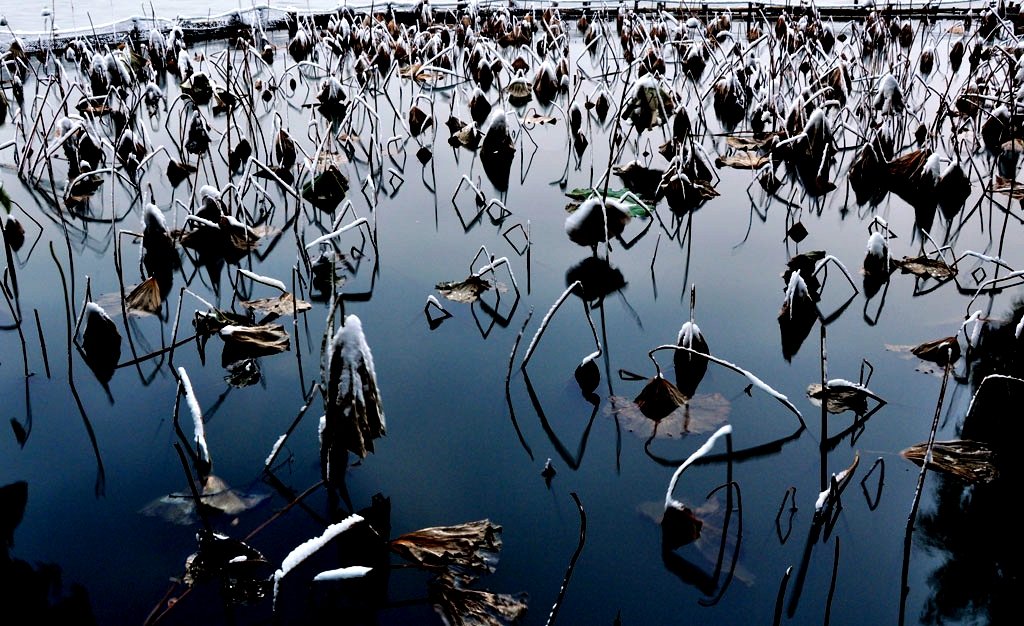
462 552
101 342
743 159
327 189
262 338
659 398
941 351
145 297
466 291
242 570
353 414
285 304
926 267
700 414
839 397
971 461
458 606
680 526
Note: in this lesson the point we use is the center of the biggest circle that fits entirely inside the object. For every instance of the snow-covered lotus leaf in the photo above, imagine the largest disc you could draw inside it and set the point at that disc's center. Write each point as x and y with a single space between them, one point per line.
353 413
458 606
285 304
462 552
700 414
971 461
466 291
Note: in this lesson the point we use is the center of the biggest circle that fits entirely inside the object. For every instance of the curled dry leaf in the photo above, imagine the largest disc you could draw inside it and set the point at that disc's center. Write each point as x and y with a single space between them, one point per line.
1008 186
145 297
971 461
461 553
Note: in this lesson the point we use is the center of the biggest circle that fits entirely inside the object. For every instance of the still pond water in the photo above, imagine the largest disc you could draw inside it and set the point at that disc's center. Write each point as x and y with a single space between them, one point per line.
464 440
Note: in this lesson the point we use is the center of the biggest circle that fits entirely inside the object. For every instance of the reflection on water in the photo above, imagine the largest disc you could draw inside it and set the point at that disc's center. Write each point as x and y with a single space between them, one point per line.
180 222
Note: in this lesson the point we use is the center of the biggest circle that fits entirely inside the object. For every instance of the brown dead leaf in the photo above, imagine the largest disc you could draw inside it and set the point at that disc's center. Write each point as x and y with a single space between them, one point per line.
941 351
466 291
839 398
462 552
1008 186
971 461
285 304
926 267
470 607
145 298
742 159
747 142
262 338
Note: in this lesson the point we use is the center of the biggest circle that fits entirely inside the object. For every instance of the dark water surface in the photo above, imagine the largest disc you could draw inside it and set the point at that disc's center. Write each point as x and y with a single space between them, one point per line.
460 444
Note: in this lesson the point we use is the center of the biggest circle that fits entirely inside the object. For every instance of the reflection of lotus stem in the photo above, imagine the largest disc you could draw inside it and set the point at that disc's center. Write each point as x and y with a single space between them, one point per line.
757 382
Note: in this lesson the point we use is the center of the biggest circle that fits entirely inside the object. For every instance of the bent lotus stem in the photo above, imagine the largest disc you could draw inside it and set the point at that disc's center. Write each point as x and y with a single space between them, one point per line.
547 319
701 451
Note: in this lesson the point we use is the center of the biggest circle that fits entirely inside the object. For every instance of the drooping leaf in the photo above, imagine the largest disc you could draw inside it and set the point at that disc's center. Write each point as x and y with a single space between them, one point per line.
941 351
285 304
327 189
971 461
353 413
829 498
463 552
101 342
466 291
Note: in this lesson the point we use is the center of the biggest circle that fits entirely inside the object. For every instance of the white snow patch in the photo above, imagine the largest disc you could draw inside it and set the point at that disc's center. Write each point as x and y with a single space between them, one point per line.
344 573
197 415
